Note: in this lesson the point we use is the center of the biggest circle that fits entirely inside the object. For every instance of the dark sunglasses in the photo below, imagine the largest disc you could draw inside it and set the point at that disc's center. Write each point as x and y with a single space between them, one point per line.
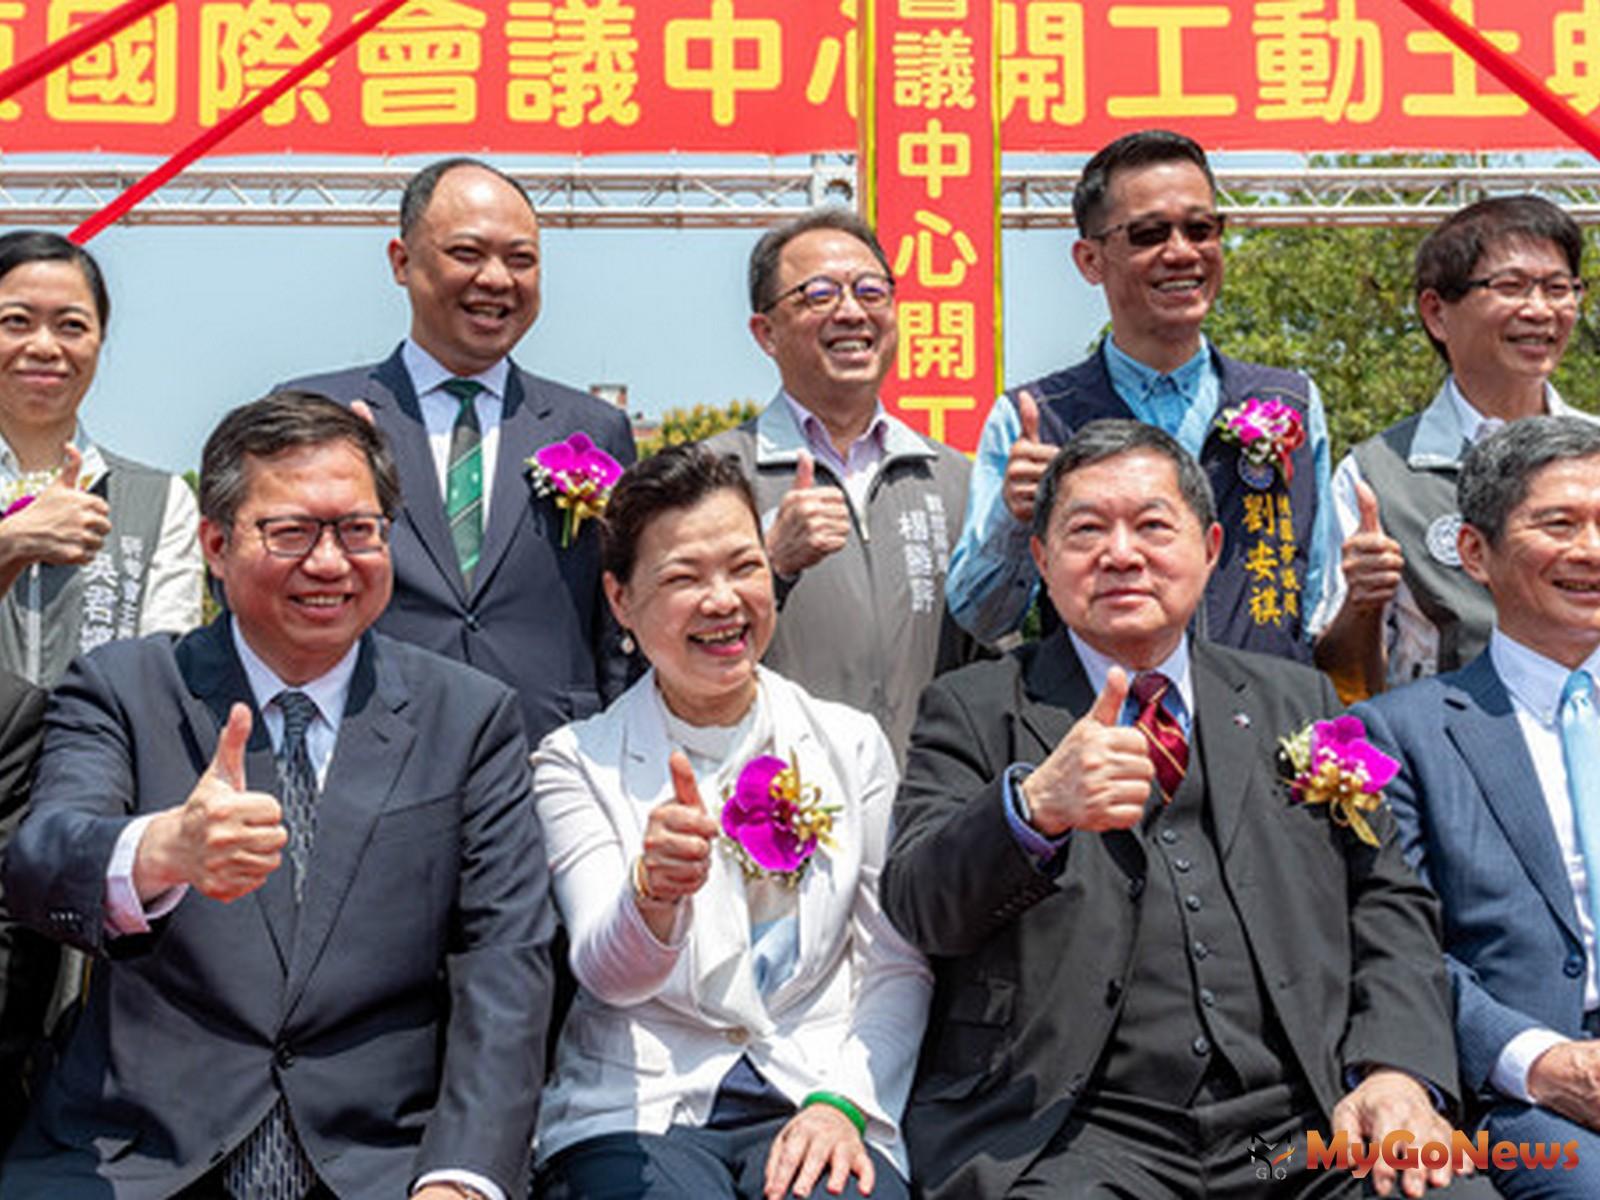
1157 231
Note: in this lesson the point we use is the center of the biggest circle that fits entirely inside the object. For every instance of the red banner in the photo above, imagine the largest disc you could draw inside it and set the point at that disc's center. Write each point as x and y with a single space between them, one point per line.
777 76
930 174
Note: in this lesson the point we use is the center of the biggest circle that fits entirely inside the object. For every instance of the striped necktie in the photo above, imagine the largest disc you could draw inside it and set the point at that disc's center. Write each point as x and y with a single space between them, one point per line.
463 493
1580 751
297 783
1164 738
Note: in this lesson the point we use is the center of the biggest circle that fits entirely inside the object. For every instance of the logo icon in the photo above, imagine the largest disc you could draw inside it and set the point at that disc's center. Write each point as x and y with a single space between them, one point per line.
1270 1162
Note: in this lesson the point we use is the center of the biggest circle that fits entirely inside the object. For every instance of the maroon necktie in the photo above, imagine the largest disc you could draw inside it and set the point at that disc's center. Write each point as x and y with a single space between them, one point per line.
1169 749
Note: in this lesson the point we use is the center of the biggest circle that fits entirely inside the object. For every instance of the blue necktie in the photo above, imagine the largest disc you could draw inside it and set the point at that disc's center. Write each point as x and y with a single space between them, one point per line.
1580 750
297 783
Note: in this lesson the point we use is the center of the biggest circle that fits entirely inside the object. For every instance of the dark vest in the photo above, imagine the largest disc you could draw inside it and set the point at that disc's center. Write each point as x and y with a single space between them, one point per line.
1256 599
1416 504
1194 1000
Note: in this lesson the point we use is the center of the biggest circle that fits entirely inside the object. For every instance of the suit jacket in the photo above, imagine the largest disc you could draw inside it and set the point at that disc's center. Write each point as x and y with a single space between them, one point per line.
27 961
1030 967
1474 823
657 1027
400 1010
534 616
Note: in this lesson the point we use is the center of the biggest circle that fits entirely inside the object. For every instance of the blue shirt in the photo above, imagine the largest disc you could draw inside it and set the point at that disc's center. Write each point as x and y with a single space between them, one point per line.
992 581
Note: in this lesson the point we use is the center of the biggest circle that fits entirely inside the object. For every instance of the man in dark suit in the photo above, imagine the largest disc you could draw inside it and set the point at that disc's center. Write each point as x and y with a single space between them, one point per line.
307 859
27 961
1498 796
481 572
1135 981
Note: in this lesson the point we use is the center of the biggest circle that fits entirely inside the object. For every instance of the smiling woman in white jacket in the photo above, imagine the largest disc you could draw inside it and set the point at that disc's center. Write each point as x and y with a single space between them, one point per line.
739 1031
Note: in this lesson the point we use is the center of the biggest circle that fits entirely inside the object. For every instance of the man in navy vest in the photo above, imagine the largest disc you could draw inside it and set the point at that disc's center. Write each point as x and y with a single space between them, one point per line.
1152 238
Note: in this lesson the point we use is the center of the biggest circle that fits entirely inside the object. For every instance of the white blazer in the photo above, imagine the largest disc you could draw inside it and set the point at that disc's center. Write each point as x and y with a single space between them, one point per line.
656 1026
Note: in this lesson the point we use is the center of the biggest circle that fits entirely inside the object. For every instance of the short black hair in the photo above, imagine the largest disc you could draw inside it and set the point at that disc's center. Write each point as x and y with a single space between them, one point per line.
1142 148
1497 472
283 421
764 258
1109 438
24 246
676 477
419 189
1448 257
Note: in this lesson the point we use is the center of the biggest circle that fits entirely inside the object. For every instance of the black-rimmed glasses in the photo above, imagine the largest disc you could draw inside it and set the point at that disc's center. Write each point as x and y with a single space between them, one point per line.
296 537
1198 230
822 293
1514 285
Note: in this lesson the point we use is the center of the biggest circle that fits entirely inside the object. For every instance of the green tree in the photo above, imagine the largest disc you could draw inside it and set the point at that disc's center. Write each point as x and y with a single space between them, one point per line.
683 425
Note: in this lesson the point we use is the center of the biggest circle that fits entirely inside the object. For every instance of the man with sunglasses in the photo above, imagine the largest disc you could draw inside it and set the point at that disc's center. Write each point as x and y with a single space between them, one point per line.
1498 289
306 860
859 509
1150 235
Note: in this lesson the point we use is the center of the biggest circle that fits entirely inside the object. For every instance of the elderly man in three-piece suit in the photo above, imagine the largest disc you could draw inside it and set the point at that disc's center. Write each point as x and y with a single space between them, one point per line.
308 862
1146 954
1498 796
481 572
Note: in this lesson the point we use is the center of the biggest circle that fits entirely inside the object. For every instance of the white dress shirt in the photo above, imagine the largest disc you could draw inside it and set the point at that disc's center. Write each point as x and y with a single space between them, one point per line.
439 410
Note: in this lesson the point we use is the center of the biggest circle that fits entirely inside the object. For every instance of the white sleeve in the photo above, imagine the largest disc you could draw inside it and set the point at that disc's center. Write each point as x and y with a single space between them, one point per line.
176 576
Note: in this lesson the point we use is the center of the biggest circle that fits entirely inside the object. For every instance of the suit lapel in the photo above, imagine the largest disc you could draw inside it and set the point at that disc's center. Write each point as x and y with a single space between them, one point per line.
1055 691
1228 748
523 428
1476 721
216 682
398 413
373 744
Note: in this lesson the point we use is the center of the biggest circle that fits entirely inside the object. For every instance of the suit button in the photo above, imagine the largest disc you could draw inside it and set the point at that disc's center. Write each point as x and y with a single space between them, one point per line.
1192 902
1200 949
473 623
1181 864
1208 997
283 1055
1201 1045
738 1035
1135 888
1573 967
1169 836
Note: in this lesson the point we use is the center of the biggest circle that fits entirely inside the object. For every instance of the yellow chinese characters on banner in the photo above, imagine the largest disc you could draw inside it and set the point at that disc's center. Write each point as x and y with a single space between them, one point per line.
930 174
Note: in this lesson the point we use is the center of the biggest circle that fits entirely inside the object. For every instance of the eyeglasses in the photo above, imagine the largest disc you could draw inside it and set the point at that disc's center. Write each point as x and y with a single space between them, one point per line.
1157 231
296 537
822 294
1514 285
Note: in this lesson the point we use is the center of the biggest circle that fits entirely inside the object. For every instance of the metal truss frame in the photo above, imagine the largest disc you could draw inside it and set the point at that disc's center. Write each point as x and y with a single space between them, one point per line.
582 195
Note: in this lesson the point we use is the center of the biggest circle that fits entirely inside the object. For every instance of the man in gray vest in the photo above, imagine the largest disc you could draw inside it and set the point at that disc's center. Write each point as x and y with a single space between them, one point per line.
1498 290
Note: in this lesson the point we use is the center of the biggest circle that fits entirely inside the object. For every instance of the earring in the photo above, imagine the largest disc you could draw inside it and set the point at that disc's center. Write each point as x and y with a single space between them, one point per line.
628 646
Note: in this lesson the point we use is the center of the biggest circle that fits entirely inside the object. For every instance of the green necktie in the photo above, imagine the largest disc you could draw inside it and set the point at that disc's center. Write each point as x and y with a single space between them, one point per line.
463 493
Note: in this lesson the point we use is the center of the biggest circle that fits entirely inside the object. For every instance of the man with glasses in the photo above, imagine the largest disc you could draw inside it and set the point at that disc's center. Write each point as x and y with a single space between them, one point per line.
307 860
1498 290
1150 235
859 509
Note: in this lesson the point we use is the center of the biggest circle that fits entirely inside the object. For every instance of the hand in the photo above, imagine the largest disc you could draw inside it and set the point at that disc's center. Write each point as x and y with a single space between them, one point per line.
1566 1078
812 523
364 410
1388 1100
1025 465
818 1137
677 841
63 525
223 840
1371 559
1098 777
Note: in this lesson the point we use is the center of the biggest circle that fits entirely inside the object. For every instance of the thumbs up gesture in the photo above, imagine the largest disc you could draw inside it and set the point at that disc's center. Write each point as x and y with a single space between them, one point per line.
677 842
1098 777
63 525
1371 560
1026 463
224 840
812 523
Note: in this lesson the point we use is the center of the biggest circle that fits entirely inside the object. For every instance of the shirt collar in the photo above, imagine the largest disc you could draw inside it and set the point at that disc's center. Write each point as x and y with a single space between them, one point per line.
1130 376
815 432
780 437
94 463
427 372
1175 667
1532 679
327 691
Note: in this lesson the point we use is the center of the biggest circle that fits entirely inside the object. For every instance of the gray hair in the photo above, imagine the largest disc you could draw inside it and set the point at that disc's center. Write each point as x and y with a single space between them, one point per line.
1499 470
1107 438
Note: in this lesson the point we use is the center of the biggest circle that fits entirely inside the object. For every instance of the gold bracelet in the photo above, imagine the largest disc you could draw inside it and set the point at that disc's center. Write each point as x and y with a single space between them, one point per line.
641 888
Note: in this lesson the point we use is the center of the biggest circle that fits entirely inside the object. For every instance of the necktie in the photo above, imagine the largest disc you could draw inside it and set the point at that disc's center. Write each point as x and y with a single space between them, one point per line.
463 494
1164 739
1580 750
297 783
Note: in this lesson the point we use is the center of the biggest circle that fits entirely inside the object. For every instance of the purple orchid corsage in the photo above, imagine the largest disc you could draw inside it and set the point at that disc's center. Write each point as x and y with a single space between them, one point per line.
1267 432
578 476
1332 763
775 820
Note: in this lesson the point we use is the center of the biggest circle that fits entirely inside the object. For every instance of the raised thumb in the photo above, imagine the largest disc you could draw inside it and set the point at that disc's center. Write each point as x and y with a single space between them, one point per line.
1107 708
1028 411
805 472
71 467
227 764
364 411
684 788
1367 499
